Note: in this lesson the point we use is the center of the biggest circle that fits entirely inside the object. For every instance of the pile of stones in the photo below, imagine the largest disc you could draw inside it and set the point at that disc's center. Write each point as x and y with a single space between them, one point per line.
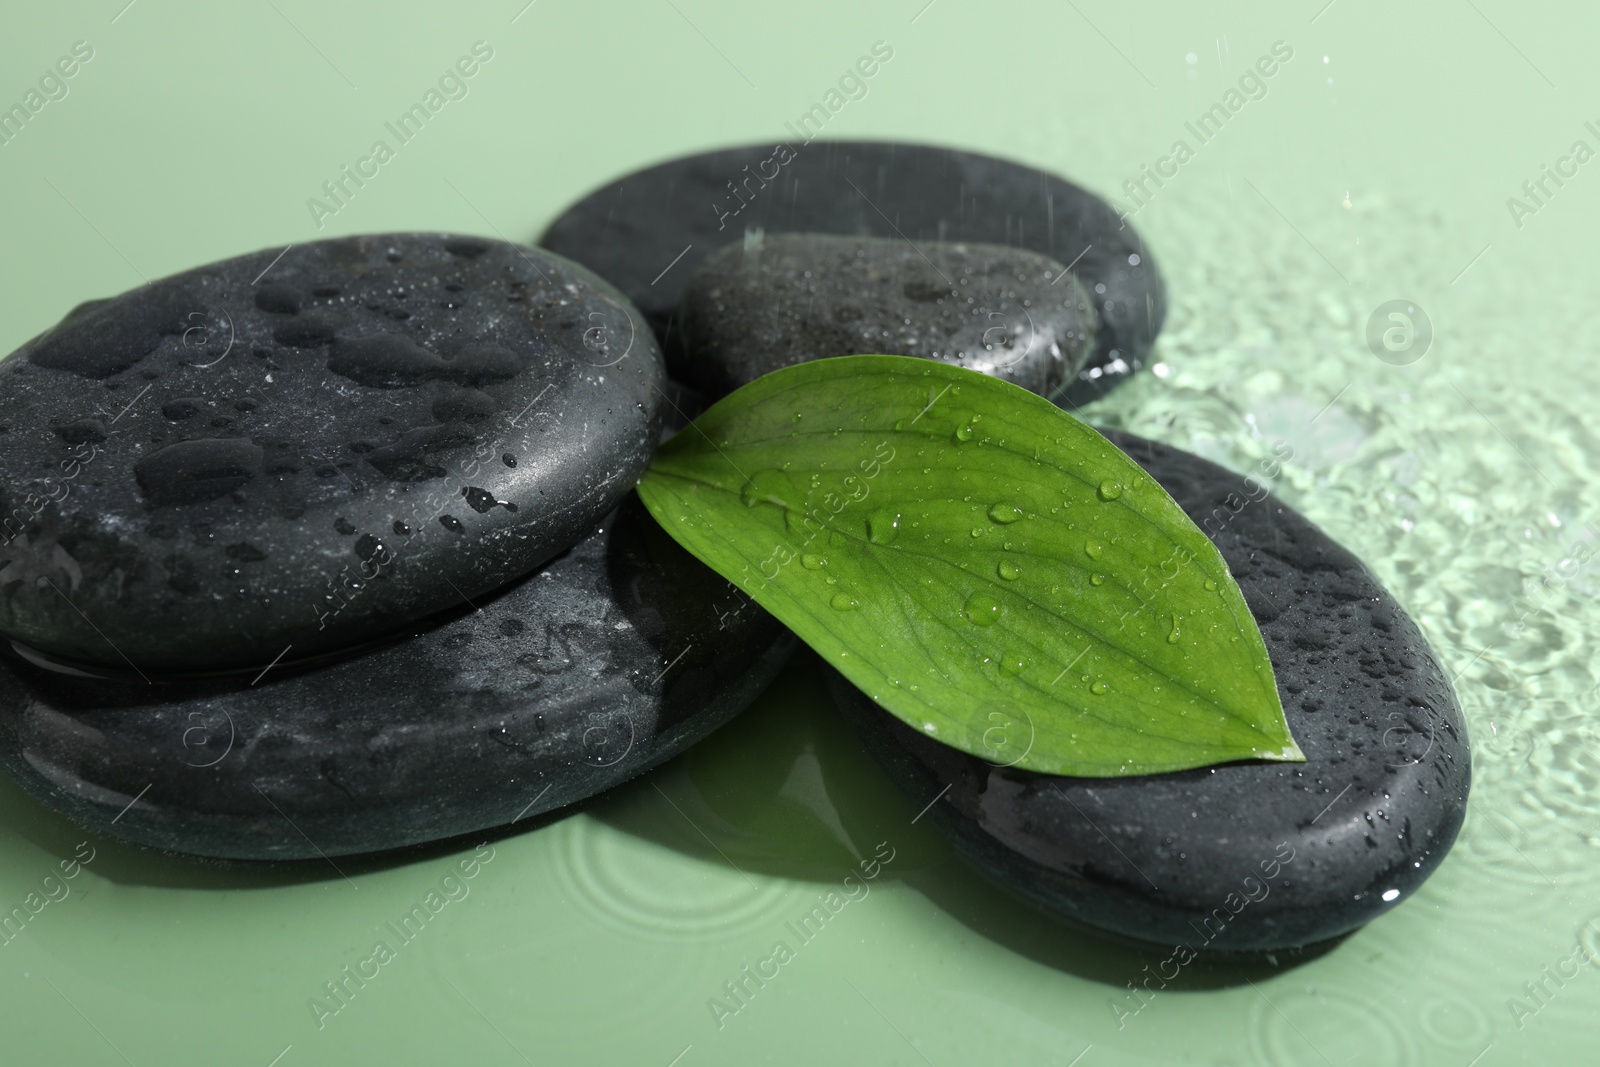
335 550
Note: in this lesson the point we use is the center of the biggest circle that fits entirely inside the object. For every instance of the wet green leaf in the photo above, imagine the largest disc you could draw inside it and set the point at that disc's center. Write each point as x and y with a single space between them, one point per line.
987 567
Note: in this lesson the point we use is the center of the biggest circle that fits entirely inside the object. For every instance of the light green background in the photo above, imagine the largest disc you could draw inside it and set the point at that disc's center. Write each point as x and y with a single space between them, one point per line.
1378 166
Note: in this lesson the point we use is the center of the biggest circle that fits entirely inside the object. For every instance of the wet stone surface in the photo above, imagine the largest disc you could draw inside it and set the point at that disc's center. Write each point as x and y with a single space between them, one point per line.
1245 857
649 232
787 298
310 449
607 661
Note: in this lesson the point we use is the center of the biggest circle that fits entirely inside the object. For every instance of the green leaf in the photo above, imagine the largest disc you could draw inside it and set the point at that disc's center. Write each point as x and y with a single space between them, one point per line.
982 564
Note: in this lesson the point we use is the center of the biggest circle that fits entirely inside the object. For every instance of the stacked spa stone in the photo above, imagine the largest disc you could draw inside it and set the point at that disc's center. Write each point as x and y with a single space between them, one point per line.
910 250
336 552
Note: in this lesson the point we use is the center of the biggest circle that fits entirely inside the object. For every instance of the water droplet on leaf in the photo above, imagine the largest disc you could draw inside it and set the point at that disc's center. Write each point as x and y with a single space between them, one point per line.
1009 571
982 609
882 526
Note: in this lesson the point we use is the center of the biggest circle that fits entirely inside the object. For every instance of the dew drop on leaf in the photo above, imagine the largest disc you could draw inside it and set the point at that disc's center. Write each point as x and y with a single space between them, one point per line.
1005 513
1211 587
1098 579
1172 638
964 433
813 562
1099 689
1011 664
882 526
1094 549
1009 570
766 487
843 602
982 609
1109 490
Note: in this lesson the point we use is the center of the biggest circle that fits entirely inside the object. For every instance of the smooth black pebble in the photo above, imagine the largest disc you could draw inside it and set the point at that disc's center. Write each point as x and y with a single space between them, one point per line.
374 380
787 298
648 232
609 660
1245 857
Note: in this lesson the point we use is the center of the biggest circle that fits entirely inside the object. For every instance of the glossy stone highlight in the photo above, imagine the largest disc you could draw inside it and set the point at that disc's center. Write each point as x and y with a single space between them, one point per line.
787 298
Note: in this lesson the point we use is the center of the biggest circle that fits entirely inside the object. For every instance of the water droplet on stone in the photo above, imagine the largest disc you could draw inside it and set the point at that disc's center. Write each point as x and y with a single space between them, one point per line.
451 523
193 472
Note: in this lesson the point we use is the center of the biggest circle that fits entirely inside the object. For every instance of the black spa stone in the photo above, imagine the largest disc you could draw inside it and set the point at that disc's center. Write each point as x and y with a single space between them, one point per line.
604 663
295 451
787 298
1245 857
649 231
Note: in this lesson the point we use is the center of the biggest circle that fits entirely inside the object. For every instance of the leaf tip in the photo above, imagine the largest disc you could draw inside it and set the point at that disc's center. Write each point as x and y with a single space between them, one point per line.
1290 753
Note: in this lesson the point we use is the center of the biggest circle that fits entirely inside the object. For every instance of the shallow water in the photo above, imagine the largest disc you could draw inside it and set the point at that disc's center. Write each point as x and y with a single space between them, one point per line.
1467 479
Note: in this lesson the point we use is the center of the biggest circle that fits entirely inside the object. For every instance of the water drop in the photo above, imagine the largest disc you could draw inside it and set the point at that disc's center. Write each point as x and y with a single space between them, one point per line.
1009 571
982 609
963 433
1109 490
1094 549
1098 579
1005 513
813 562
767 487
1211 587
1099 689
1172 638
882 526
843 602
1011 664
977 531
